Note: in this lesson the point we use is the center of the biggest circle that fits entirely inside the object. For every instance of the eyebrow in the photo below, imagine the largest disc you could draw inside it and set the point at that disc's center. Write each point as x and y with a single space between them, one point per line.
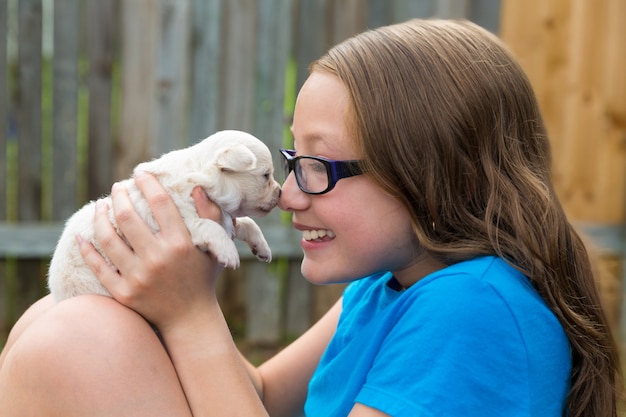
317 137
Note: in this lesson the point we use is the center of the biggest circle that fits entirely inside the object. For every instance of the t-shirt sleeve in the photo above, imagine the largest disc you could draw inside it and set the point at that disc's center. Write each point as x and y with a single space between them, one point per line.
449 354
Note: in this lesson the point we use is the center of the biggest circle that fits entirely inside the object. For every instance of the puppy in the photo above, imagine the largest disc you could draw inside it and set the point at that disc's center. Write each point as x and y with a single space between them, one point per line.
236 172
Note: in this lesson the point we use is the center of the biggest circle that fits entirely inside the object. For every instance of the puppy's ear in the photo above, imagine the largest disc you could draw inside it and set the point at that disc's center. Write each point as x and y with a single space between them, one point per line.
236 158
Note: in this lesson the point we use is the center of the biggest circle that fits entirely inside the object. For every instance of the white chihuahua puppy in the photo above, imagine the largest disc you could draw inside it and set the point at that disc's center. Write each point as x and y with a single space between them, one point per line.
235 170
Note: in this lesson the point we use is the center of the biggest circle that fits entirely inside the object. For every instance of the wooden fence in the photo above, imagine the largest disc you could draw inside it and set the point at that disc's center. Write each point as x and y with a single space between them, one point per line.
88 89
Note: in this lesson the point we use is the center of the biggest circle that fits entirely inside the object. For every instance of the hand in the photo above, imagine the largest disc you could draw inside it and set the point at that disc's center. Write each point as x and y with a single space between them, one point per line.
162 276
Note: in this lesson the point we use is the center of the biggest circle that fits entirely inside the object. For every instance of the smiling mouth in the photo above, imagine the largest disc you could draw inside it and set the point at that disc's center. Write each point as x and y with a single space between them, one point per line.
318 235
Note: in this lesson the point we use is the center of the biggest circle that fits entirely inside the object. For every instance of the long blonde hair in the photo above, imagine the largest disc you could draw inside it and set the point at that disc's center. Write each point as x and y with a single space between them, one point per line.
447 122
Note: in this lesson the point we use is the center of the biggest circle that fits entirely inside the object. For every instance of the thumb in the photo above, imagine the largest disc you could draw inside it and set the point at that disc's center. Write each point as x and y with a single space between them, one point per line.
205 207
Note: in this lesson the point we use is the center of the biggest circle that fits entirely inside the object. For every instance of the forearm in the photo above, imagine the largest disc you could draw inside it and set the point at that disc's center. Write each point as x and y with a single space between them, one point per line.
211 370
255 376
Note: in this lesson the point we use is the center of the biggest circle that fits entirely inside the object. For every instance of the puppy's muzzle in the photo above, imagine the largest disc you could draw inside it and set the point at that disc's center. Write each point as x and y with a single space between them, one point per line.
266 208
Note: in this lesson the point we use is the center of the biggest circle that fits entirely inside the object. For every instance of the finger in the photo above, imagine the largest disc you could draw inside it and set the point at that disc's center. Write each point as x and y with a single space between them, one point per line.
107 275
206 208
115 248
163 208
132 226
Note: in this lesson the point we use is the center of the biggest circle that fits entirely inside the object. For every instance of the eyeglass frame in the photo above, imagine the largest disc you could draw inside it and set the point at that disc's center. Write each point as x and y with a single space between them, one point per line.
335 170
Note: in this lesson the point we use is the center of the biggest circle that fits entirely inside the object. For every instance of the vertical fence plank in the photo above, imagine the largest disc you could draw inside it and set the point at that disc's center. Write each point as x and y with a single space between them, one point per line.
582 114
273 49
101 30
379 13
298 305
452 9
238 71
171 79
4 110
4 117
29 138
348 19
205 57
139 40
406 9
311 36
29 110
64 107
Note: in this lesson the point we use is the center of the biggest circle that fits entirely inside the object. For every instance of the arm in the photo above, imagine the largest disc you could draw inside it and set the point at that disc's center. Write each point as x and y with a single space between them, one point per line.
285 377
171 283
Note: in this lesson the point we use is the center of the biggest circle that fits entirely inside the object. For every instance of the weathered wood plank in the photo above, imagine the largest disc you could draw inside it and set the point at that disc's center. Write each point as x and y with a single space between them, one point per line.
486 13
64 108
406 9
140 20
585 153
29 110
100 54
299 300
238 54
452 9
263 306
379 13
171 81
273 50
205 58
311 36
29 140
4 110
348 19
4 117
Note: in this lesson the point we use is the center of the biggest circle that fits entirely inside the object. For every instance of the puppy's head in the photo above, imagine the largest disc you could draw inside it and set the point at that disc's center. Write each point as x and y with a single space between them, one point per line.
245 184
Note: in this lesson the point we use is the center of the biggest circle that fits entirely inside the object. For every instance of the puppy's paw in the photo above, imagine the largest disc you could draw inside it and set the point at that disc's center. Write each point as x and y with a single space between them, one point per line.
226 254
248 231
262 251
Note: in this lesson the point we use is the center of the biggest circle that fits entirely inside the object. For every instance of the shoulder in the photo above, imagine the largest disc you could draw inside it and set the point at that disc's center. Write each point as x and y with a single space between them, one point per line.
483 285
478 302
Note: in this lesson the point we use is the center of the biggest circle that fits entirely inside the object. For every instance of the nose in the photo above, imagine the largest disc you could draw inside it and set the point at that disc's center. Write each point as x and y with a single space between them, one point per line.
291 197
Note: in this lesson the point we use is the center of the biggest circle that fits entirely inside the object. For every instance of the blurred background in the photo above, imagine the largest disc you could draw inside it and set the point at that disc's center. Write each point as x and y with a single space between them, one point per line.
88 89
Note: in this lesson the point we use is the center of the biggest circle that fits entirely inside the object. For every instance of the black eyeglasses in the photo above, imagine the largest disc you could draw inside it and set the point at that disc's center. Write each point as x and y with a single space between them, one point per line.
317 175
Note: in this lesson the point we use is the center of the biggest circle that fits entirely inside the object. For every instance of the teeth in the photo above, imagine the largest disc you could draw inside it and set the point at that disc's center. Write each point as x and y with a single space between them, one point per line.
317 234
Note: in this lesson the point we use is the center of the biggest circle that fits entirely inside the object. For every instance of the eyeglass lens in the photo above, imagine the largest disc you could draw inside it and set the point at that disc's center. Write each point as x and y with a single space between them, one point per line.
311 174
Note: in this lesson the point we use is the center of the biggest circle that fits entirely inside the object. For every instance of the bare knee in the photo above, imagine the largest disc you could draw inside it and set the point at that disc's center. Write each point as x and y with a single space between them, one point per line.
91 354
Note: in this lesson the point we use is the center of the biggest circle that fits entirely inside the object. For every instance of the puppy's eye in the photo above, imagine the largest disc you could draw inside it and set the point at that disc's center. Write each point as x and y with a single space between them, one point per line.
266 176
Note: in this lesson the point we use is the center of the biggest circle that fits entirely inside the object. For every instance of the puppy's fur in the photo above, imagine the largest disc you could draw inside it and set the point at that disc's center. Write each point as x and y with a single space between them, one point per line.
234 169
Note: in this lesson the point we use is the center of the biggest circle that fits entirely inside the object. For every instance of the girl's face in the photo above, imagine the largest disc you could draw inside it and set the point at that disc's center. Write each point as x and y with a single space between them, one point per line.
355 229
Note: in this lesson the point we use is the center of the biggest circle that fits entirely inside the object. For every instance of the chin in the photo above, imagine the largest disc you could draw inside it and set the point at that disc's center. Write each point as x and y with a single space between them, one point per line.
320 274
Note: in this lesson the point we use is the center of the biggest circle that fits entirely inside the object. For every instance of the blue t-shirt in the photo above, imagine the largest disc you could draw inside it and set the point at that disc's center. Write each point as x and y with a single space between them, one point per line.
473 339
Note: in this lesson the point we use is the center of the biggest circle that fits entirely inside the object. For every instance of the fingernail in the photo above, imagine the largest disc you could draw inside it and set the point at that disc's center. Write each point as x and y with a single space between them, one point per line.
101 205
79 239
139 174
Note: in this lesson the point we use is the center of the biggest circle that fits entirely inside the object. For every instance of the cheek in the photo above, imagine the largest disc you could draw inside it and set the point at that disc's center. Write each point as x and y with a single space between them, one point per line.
376 238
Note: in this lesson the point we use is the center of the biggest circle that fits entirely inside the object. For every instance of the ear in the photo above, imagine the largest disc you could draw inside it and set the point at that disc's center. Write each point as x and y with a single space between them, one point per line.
236 158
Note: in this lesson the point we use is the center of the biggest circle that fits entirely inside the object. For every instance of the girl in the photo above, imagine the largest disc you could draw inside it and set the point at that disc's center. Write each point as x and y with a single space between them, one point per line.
421 175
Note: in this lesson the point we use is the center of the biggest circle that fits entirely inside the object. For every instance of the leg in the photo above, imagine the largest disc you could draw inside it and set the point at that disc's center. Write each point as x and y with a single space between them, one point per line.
248 231
89 356
33 312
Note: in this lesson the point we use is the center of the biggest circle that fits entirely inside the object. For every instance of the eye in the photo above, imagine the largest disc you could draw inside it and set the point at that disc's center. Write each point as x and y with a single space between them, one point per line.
266 176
